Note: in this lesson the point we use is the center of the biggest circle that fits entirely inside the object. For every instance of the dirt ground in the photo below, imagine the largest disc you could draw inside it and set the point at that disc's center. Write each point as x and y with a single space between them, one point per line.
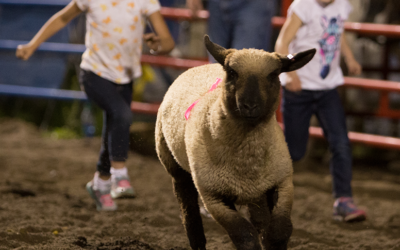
44 205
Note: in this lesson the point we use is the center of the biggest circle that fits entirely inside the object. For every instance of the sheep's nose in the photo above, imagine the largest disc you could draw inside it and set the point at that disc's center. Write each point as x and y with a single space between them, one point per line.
250 107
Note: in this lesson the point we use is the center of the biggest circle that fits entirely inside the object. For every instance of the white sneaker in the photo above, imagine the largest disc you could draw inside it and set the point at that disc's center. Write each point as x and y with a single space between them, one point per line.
121 187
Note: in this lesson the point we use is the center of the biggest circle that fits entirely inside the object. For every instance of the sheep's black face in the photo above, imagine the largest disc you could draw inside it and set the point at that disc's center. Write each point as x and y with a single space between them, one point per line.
252 84
251 94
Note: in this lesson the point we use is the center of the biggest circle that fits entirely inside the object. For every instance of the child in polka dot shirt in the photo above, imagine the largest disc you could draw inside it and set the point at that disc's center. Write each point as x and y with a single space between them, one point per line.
114 35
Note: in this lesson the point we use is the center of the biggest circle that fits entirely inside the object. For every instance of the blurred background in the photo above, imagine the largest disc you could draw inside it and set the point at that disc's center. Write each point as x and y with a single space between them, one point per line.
66 114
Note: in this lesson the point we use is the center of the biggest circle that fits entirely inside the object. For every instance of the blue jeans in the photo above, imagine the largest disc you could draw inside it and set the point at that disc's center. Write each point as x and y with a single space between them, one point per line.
297 110
241 23
115 100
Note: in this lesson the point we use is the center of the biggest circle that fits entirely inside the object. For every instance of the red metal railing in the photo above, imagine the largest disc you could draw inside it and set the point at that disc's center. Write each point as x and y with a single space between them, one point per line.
362 28
277 22
285 6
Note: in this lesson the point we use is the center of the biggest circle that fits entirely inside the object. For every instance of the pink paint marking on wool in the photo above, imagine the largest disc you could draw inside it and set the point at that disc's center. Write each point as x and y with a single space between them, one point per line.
214 86
187 113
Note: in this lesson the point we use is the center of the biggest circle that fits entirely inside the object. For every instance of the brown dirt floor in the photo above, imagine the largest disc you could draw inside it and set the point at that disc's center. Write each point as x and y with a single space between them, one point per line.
44 205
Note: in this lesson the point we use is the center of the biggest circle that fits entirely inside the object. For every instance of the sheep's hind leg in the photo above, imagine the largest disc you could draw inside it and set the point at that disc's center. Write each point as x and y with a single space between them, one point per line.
187 196
275 225
242 233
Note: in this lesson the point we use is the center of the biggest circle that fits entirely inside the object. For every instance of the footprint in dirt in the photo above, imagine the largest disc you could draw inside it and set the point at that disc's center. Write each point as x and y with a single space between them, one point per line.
21 192
81 242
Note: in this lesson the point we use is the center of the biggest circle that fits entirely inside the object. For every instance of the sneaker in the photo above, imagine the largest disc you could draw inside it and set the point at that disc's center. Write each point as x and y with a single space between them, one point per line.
121 187
344 209
104 202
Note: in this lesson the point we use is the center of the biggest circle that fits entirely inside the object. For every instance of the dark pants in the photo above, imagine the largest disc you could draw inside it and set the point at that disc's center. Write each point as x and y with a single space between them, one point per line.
114 99
241 23
297 110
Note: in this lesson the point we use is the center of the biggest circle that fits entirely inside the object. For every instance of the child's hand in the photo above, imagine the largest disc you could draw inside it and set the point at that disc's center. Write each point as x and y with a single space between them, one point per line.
24 51
293 82
153 42
353 66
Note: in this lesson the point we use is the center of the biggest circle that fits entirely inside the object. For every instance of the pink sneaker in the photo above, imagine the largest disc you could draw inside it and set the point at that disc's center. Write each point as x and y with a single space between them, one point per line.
344 209
121 187
103 200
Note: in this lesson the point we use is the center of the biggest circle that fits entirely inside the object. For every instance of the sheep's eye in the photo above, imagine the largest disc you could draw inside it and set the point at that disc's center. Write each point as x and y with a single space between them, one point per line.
232 73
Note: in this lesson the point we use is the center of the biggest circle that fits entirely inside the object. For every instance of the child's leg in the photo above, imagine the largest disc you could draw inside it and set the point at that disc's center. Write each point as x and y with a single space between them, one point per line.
120 115
297 109
219 25
118 143
332 119
115 100
104 163
248 20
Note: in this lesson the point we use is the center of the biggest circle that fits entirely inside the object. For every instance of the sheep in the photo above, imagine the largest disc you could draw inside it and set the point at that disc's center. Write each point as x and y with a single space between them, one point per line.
230 149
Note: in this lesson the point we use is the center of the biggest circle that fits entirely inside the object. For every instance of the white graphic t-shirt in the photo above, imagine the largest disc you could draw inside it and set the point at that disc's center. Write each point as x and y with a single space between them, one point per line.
114 31
322 29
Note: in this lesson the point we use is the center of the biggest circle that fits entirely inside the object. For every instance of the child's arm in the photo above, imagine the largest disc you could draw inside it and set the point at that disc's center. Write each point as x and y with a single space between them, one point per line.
352 65
162 43
288 32
54 24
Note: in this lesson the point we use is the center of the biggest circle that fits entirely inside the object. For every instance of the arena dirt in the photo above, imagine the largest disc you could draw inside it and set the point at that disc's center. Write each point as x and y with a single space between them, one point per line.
44 205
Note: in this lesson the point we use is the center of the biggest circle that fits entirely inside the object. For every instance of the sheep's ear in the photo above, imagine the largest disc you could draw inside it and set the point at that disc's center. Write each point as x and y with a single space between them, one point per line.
218 52
296 61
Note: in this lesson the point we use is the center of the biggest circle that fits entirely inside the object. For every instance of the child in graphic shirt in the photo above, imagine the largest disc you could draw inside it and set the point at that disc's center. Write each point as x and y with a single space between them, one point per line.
312 90
114 32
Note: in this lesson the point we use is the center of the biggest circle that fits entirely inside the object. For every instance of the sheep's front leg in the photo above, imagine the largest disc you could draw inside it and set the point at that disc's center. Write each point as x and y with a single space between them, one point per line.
271 216
187 196
260 214
242 233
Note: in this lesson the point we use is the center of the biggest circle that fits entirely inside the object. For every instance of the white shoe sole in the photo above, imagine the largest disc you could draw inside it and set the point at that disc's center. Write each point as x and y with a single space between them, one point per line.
127 193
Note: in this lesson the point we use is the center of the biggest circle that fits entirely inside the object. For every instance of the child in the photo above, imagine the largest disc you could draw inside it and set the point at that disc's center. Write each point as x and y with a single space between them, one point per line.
312 90
114 31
